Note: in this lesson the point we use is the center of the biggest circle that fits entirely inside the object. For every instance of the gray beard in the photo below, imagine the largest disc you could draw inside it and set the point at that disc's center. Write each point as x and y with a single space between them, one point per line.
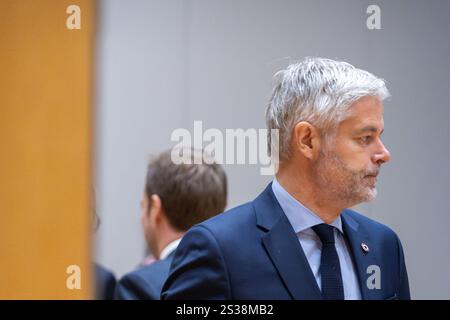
339 183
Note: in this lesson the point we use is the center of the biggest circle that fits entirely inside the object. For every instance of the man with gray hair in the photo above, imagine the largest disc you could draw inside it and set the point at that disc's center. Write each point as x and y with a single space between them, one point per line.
298 239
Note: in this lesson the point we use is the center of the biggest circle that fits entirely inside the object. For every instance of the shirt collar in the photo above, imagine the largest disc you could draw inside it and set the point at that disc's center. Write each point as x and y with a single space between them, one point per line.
169 249
300 217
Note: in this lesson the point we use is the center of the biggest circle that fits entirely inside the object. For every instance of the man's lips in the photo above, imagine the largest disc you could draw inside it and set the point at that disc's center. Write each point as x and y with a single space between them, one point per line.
371 178
372 174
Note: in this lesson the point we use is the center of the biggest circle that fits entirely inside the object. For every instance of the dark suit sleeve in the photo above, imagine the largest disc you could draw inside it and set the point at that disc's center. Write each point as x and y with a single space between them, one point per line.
110 286
105 284
198 270
132 287
404 293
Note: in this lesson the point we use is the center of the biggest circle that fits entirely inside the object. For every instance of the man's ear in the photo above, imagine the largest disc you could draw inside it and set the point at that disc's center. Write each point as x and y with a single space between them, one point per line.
307 139
144 209
156 210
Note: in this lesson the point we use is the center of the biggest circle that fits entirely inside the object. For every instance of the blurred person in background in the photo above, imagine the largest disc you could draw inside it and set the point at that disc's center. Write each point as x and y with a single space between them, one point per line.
105 281
176 197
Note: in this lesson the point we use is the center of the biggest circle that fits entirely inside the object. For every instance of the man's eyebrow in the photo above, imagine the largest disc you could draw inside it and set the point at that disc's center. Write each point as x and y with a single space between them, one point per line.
370 129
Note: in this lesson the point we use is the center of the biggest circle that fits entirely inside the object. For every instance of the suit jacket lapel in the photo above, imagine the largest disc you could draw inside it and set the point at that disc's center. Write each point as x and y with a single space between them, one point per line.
284 249
357 236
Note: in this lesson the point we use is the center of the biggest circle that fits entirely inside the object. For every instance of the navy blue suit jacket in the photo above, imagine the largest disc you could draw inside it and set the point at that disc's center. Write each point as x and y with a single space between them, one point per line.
144 283
105 283
252 252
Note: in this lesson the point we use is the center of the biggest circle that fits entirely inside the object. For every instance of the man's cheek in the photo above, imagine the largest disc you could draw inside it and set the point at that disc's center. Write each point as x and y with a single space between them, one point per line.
357 160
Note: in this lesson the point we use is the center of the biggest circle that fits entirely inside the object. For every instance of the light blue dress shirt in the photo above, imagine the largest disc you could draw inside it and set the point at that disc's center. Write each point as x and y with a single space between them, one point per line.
302 219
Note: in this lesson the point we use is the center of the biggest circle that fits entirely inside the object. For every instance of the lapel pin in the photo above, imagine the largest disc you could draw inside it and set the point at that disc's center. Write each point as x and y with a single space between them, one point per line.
365 247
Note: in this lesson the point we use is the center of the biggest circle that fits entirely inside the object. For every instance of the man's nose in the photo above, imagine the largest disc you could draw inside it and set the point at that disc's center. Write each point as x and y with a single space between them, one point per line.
382 155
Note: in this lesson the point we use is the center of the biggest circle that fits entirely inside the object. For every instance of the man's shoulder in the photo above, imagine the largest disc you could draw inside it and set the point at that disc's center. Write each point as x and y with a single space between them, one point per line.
371 226
223 228
103 273
148 274
105 282
143 283
238 217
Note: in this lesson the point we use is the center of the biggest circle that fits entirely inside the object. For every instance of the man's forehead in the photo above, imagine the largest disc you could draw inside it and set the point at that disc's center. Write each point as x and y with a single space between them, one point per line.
364 123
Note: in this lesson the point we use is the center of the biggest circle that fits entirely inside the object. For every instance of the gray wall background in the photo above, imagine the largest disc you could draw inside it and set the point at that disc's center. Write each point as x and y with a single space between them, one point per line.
163 64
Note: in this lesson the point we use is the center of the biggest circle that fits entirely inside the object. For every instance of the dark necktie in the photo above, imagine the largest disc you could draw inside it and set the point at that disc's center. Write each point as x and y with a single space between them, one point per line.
330 269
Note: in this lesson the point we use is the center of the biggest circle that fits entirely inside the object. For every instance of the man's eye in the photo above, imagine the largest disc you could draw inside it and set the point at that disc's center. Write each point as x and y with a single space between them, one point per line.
365 139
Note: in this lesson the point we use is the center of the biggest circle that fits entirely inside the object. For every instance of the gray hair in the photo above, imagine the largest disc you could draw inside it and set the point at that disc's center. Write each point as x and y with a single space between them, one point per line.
319 91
